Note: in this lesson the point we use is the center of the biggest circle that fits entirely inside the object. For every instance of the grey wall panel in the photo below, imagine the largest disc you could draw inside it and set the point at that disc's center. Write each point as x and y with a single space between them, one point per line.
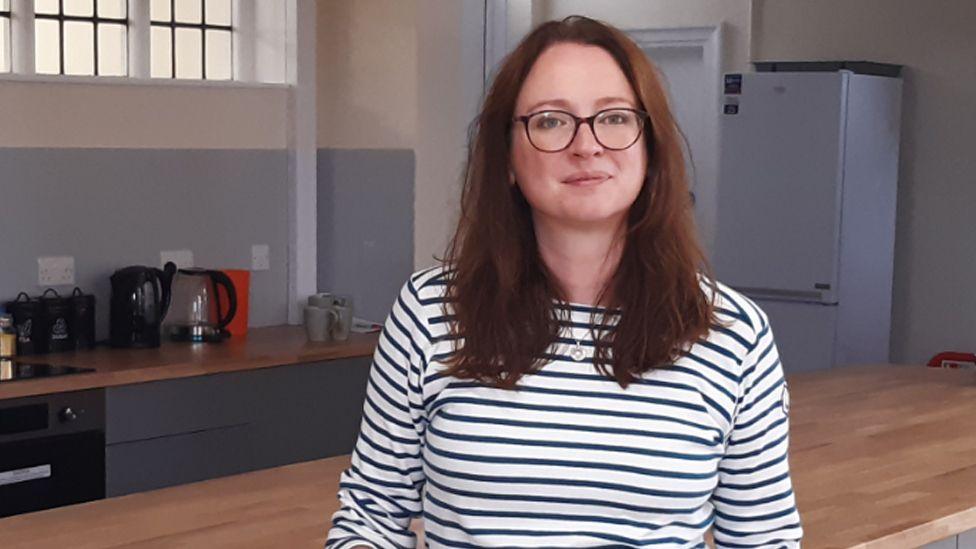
365 225
115 207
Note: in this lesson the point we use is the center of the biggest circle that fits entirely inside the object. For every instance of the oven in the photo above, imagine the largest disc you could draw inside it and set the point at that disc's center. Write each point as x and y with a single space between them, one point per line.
52 451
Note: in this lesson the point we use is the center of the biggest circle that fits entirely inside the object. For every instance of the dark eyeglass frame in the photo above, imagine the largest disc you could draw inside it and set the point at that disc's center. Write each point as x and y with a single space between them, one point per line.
642 116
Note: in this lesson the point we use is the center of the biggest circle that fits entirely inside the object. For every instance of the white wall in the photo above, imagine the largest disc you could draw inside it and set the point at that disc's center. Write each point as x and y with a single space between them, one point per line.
449 86
636 14
367 77
141 116
404 74
935 251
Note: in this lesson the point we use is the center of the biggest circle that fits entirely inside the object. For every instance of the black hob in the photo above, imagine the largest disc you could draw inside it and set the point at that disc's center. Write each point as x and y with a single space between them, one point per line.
16 370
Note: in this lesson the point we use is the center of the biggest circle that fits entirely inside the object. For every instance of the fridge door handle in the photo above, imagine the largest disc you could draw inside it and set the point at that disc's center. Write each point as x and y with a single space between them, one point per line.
807 296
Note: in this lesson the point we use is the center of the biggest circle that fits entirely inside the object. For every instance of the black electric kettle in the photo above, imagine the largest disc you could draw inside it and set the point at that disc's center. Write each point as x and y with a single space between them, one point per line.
140 299
197 313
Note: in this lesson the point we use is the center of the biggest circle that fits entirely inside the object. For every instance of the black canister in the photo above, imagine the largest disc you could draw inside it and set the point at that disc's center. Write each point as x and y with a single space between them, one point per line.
57 317
29 321
82 325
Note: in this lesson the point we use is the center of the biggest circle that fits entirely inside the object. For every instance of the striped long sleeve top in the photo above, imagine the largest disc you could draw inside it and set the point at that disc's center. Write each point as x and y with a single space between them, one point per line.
570 459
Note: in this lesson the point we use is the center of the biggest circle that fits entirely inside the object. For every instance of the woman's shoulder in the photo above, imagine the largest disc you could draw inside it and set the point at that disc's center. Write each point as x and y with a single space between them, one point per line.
430 280
734 309
423 292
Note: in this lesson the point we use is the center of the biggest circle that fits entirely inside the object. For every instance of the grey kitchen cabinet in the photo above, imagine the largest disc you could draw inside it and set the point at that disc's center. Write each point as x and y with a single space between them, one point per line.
307 411
176 459
183 430
965 540
948 543
177 406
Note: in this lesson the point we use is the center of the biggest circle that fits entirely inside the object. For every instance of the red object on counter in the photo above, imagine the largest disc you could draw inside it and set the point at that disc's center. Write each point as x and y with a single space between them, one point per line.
242 285
951 359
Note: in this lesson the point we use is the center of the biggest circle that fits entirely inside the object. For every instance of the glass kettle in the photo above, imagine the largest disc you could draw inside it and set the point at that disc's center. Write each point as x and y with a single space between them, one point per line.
195 306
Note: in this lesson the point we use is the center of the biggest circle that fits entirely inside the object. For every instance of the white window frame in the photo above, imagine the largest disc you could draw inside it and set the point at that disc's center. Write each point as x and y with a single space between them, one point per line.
7 14
250 23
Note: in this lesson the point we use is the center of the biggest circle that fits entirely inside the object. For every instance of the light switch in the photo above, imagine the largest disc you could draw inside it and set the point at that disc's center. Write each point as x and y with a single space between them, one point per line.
260 257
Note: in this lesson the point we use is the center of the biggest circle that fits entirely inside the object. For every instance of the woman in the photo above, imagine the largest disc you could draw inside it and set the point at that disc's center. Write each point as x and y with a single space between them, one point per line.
572 377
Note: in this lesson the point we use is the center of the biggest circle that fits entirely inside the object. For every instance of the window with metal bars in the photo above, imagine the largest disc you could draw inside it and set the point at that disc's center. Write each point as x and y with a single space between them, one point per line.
4 35
81 37
191 39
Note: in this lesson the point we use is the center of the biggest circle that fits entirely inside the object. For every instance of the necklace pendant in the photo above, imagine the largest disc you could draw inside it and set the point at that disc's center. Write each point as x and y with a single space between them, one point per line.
577 353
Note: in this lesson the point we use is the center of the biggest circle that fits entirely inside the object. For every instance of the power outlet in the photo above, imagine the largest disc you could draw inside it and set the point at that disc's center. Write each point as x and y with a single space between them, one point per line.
260 257
182 258
56 271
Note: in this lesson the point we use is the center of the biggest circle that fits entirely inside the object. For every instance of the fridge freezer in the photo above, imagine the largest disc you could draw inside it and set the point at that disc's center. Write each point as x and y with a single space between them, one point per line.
806 210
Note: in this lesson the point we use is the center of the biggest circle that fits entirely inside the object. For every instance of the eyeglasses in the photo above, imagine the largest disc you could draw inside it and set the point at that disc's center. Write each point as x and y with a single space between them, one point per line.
554 131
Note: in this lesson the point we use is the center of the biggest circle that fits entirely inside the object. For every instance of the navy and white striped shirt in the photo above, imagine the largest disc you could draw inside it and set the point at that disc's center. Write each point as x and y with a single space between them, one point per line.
570 459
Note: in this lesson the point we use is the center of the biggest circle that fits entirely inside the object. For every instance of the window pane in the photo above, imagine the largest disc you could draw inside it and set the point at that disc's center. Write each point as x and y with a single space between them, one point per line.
112 8
218 55
189 11
4 44
161 51
84 8
159 11
79 48
47 47
189 53
218 13
46 6
111 50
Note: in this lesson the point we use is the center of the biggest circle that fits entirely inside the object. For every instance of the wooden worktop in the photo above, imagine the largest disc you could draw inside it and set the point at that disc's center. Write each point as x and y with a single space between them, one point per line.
261 348
286 506
882 457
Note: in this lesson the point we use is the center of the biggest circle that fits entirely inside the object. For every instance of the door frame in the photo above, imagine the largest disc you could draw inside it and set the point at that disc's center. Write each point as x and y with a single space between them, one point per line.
705 178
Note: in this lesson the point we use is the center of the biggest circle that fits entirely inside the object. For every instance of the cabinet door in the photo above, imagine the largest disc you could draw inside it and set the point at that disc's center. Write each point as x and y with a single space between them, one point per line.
948 543
967 540
185 430
177 459
176 406
308 411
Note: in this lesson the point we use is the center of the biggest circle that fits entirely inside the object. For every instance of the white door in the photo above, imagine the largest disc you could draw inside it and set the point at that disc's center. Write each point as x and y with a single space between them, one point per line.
684 74
688 59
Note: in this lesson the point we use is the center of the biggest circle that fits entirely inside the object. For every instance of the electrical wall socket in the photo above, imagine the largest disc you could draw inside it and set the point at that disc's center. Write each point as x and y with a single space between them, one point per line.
260 257
182 258
56 271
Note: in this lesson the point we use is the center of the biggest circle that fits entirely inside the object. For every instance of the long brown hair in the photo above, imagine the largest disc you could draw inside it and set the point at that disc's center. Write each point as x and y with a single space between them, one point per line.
500 289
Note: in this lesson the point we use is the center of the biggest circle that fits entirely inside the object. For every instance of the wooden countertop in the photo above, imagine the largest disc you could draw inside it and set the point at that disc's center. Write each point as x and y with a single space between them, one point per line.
286 506
882 456
263 347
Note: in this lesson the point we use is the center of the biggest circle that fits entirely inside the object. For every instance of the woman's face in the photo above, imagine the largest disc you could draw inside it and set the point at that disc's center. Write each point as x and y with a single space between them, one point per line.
585 184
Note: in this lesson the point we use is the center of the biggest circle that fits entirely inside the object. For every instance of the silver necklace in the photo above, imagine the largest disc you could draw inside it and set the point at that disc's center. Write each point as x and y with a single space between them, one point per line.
577 353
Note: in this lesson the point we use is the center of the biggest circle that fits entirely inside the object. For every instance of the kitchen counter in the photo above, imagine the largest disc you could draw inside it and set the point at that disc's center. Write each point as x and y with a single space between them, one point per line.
882 456
262 348
287 506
